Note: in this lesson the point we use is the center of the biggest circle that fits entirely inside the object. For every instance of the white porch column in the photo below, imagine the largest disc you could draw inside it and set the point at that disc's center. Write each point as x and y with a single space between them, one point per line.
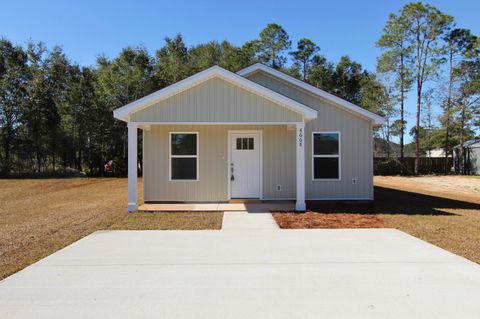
132 166
300 160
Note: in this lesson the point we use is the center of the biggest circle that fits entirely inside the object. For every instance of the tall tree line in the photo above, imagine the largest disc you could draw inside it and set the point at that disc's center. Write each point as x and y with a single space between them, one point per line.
56 116
424 51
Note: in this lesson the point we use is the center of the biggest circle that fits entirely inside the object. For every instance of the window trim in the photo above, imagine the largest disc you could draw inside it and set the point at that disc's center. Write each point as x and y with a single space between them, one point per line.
339 156
170 156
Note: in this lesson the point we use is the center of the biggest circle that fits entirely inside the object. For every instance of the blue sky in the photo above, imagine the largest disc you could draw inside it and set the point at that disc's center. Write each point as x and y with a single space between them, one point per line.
87 28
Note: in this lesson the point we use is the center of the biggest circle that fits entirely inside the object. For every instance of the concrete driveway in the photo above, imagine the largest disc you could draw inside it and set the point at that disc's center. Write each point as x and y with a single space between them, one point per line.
361 273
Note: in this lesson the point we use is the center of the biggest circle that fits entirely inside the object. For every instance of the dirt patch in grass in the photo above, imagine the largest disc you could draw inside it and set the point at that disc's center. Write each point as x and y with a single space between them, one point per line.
324 220
41 216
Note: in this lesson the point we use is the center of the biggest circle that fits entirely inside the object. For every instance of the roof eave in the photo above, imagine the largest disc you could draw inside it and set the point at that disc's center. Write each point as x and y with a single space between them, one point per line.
378 122
122 116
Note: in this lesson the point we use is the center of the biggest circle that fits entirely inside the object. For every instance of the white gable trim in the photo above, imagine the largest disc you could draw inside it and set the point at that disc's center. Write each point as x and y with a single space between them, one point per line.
376 119
123 113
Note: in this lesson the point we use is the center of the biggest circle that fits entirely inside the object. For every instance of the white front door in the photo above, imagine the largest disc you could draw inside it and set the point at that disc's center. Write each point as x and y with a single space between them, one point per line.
245 165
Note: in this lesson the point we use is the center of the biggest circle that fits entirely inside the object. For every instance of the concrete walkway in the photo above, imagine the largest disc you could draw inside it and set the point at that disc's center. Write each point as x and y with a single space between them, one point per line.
248 220
342 273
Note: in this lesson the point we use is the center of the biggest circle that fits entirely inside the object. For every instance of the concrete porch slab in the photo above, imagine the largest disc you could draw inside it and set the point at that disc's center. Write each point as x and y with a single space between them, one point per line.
205 207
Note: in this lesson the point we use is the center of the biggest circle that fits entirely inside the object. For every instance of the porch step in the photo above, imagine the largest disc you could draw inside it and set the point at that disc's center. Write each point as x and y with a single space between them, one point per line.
245 201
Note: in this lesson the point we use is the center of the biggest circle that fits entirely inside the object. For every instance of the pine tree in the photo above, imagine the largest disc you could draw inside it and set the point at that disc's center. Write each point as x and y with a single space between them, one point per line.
306 50
13 95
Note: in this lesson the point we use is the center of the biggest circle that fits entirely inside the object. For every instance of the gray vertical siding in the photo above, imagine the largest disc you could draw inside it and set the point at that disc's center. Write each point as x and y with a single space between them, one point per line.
219 101
356 144
216 100
278 163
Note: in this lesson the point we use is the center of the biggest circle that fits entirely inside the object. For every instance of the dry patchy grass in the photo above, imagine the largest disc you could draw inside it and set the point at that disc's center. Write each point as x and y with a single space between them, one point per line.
170 220
444 211
41 216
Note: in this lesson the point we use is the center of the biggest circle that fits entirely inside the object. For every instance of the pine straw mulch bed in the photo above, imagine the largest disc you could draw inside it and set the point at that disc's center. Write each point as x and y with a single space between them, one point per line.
309 219
332 214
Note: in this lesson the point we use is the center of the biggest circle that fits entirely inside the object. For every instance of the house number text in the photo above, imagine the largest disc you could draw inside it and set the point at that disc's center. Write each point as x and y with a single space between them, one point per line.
300 137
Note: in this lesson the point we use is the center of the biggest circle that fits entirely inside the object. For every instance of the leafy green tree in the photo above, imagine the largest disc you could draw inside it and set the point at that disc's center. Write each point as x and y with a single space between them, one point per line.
396 59
378 98
80 119
235 58
322 73
120 81
430 138
428 121
57 70
306 49
51 108
127 77
223 54
39 112
461 45
205 55
425 26
273 42
468 101
172 61
347 80
13 94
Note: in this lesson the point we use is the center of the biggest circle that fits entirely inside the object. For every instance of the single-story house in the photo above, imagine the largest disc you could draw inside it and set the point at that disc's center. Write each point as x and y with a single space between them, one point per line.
471 158
255 134
436 152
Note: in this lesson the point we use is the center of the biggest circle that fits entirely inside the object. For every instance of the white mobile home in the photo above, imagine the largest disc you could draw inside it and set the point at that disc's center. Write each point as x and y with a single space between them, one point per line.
257 133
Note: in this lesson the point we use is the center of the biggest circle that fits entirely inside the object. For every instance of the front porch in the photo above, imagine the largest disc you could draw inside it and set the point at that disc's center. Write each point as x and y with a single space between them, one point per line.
212 187
210 207
216 136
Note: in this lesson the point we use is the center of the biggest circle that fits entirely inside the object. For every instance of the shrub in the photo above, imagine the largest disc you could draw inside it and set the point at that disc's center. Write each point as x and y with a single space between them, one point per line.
389 166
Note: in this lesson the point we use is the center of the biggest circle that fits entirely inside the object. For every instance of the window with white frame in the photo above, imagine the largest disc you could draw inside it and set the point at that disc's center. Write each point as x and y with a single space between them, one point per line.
183 156
245 143
326 155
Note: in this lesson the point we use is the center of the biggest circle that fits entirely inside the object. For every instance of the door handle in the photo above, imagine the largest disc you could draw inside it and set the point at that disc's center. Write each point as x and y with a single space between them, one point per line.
232 177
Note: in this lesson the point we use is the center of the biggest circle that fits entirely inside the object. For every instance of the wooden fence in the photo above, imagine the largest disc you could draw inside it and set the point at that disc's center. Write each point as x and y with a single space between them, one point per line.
428 165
